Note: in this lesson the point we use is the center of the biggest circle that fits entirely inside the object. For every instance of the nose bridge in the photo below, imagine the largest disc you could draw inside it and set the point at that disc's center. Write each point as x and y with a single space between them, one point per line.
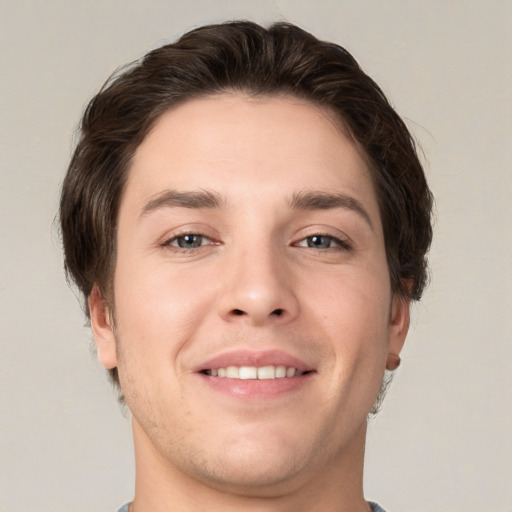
257 287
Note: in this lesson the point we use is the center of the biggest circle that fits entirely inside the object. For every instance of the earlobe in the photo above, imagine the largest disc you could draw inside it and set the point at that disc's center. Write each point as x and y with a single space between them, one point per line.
399 326
393 362
102 328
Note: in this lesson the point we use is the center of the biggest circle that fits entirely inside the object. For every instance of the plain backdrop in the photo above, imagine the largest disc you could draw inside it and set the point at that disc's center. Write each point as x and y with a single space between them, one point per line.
443 439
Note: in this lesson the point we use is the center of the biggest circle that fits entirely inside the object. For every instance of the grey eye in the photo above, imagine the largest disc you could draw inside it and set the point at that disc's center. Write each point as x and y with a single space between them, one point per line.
189 241
320 241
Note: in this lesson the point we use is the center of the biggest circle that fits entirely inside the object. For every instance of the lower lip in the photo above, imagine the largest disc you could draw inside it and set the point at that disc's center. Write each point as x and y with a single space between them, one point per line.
255 389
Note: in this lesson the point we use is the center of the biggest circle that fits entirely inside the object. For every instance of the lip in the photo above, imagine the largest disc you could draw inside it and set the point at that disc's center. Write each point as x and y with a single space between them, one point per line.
254 389
256 358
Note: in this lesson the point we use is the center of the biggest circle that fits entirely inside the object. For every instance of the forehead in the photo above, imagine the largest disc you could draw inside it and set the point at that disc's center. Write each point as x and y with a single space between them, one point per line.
233 143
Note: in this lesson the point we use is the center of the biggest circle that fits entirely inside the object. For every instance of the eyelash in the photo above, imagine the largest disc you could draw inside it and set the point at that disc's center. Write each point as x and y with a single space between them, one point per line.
170 243
336 244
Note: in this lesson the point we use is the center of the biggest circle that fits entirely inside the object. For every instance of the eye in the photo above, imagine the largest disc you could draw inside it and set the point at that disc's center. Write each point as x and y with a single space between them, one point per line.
187 241
323 242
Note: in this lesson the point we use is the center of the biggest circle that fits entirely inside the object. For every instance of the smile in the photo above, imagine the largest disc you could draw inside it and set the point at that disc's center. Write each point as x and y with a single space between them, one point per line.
253 372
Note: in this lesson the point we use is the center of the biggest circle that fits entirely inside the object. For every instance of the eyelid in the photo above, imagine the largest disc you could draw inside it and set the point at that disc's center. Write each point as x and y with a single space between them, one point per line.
173 238
339 242
341 239
168 240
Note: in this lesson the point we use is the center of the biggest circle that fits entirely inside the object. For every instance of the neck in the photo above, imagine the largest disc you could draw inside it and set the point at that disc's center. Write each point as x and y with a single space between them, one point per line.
335 486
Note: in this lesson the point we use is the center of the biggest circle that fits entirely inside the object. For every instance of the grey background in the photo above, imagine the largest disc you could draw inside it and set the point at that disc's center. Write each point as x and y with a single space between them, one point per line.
442 442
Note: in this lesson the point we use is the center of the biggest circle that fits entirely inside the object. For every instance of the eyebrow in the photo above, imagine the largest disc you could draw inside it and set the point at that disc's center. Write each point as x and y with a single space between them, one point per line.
175 199
326 201
210 200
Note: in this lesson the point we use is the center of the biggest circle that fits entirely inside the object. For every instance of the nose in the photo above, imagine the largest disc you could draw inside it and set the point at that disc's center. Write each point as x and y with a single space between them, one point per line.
258 289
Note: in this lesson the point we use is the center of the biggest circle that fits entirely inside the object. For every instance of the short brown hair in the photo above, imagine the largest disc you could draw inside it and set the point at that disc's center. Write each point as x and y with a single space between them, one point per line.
241 56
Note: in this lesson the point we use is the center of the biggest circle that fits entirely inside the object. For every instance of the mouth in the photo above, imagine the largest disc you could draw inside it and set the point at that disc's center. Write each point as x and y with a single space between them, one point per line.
268 372
256 374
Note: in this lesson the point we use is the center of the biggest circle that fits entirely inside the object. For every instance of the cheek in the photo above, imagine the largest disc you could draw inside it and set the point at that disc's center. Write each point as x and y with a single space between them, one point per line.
157 314
351 299
156 305
355 309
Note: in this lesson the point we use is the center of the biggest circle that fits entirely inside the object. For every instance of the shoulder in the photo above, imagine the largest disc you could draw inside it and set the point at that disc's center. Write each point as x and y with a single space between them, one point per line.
373 506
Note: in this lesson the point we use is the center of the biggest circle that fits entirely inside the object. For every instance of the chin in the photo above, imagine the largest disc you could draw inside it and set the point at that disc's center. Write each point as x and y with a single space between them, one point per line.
259 476
262 465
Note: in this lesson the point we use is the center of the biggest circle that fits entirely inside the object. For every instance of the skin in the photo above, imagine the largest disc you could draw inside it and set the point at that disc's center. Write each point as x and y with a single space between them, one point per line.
258 280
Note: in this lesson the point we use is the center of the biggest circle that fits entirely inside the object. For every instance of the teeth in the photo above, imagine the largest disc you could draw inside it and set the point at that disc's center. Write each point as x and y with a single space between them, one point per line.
267 372
232 372
290 372
248 372
253 372
280 372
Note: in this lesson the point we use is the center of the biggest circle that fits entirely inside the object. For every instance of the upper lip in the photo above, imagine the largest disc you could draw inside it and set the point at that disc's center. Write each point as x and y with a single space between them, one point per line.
257 358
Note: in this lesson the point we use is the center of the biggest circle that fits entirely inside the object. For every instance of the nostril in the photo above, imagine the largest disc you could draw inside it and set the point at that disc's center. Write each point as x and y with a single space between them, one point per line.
238 312
277 312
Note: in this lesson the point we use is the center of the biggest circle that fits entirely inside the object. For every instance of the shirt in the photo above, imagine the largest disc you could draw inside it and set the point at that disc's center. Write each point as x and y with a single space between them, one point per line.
374 507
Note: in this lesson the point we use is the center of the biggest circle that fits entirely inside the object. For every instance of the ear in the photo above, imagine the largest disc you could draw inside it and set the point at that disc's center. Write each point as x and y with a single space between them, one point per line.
102 328
398 328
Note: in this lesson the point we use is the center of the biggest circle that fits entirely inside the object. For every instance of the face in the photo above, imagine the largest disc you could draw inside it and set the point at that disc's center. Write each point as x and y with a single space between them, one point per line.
253 308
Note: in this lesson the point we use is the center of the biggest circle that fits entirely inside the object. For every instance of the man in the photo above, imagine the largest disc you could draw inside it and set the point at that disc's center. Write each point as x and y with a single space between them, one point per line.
247 220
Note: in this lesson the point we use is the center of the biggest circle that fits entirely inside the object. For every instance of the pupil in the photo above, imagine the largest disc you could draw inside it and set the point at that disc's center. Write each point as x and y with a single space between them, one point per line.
190 241
319 242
